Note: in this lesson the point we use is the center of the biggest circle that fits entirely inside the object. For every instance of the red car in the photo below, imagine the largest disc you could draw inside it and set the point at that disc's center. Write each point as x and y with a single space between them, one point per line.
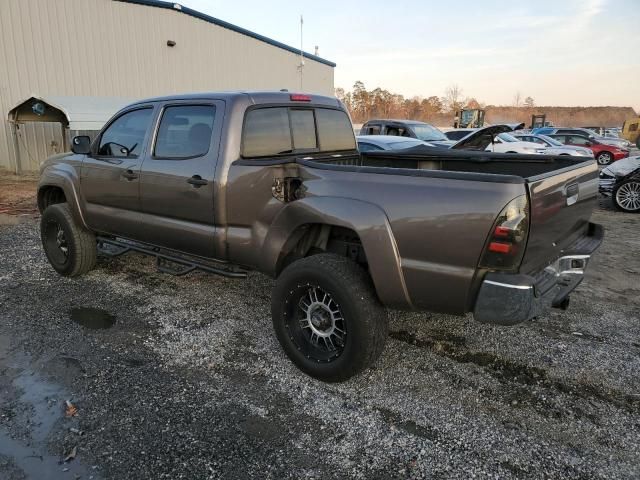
604 154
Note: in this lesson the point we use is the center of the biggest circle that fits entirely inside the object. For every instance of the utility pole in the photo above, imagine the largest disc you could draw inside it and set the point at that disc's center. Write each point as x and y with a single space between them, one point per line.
301 66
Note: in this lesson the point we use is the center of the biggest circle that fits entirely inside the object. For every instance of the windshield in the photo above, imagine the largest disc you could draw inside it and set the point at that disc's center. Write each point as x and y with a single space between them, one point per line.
505 137
552 141
428 133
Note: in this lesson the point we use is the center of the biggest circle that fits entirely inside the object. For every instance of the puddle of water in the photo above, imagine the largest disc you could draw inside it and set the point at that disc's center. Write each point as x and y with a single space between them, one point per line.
32 456
93 318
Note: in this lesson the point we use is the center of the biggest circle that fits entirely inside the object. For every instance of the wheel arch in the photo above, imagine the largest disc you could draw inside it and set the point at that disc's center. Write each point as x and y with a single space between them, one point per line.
314 220
60 183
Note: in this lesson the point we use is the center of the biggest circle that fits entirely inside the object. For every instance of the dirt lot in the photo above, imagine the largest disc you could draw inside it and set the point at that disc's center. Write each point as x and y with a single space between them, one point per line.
186 380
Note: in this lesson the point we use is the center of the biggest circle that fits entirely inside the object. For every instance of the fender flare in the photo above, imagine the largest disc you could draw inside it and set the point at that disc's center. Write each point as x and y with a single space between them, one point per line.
65 177
368 220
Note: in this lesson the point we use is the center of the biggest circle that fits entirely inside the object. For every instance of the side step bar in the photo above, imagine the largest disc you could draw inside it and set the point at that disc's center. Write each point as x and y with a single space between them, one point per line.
112 247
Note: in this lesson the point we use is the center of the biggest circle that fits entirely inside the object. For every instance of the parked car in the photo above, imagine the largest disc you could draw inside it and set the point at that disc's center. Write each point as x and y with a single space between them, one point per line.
370 143
631 131
604 154
507 143
406 128
273 182
585 132
458 133
621 182
554 147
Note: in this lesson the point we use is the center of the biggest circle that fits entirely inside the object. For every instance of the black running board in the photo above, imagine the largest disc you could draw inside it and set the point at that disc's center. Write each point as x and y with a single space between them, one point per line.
165 261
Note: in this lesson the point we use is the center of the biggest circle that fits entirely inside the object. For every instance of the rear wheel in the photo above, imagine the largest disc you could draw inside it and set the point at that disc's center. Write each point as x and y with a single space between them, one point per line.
626 196
604 158
70 248
327 318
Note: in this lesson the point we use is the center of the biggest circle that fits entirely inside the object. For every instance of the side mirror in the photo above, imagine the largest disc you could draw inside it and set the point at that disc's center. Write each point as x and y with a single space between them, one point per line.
81 145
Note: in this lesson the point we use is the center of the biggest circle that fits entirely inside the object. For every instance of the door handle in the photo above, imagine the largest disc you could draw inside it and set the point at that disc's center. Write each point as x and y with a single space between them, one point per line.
130 175
197 181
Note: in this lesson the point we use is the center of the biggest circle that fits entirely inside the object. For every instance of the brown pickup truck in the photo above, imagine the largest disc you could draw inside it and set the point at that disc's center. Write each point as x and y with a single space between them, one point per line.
273 182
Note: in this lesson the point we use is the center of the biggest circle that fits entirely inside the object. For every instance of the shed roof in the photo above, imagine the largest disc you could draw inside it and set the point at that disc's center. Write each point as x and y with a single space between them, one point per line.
78 113
221 23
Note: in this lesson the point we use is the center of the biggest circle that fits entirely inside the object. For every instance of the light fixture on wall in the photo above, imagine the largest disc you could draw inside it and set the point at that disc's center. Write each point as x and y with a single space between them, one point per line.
171 43
38 108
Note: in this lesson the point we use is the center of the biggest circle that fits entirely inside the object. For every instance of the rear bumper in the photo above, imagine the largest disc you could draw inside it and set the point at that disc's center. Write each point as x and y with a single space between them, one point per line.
507 298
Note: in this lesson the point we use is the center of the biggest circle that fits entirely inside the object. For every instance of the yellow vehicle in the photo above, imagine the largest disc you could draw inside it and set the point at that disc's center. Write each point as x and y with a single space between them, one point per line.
631 131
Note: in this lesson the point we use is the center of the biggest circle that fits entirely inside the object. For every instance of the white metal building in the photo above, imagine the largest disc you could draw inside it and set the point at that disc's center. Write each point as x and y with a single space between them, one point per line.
128 49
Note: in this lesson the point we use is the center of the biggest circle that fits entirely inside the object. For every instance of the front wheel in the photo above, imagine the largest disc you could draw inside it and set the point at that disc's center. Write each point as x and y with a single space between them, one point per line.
327 317
626 196
604 158
70 248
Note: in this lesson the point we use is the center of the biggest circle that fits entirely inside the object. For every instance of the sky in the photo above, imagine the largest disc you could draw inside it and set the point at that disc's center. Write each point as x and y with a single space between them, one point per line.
566 53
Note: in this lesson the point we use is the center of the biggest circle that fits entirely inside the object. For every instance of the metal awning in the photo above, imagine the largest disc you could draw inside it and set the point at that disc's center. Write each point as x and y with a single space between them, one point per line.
75 113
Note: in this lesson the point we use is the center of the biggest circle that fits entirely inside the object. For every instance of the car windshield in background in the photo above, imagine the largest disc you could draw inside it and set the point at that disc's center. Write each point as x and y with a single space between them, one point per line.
428 133
552 141
505 137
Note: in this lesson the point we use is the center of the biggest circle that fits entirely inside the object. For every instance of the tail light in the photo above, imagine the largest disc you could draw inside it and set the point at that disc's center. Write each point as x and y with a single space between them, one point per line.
299 97
508 238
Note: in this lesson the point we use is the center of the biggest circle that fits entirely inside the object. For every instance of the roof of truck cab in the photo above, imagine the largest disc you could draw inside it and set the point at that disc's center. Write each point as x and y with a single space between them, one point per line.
256 96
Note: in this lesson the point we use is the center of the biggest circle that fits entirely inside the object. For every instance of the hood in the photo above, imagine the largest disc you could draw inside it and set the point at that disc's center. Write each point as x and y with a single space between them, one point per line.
622 167
616 142
482 138
442 143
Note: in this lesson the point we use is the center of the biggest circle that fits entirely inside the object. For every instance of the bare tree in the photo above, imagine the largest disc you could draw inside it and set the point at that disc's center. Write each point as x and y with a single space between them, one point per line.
453 99
517 100
529 103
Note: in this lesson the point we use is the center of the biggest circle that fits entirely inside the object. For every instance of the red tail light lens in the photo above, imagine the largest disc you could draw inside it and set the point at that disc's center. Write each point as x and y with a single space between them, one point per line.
508 238
300 97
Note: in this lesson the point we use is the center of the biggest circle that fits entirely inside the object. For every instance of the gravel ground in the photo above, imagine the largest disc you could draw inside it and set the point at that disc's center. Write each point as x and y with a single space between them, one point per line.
189 381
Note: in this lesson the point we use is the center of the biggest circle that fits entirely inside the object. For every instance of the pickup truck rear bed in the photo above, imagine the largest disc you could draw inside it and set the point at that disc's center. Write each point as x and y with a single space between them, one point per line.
560 193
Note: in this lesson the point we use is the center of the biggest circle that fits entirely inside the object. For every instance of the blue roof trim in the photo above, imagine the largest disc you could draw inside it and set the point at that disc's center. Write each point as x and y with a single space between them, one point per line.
227 25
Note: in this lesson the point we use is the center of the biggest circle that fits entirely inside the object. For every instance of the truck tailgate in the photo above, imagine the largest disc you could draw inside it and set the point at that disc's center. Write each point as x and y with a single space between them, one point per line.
561 205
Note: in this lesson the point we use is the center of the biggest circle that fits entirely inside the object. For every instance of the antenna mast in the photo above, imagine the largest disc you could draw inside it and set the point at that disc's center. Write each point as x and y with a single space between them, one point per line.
301 66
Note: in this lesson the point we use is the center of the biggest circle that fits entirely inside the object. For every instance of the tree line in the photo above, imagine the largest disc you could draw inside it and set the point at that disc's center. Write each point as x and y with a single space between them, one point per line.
365 104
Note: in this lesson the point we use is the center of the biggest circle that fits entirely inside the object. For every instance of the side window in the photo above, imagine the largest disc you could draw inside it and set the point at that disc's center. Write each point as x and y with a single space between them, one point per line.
574 139
633 127
373 130
184 131
266 132
367 147
125 136
334 130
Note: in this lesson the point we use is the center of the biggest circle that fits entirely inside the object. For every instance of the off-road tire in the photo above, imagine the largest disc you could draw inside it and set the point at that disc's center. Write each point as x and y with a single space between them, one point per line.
365 319
80 243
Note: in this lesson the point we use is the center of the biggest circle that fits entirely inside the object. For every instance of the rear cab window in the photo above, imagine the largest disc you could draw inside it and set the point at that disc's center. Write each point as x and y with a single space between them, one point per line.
276 131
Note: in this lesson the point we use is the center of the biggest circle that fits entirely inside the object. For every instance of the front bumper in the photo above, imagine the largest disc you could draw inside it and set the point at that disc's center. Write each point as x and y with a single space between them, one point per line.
606 184
508 298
